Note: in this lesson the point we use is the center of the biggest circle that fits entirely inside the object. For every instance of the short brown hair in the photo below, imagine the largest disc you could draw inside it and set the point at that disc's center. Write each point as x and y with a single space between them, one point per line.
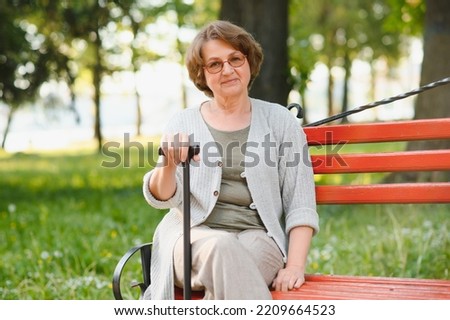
236 36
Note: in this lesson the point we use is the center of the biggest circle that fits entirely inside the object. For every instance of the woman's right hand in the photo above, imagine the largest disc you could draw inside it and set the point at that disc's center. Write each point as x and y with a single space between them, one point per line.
175 148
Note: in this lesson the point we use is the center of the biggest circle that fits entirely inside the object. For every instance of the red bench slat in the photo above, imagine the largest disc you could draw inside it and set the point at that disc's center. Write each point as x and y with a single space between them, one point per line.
384 193
330 287
380 132
322 287
382 162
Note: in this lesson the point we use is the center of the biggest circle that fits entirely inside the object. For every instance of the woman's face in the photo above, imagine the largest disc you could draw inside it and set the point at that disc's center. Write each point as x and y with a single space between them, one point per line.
230 81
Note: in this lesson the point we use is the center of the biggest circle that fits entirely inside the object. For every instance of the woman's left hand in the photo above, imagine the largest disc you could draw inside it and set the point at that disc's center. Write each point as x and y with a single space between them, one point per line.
289 278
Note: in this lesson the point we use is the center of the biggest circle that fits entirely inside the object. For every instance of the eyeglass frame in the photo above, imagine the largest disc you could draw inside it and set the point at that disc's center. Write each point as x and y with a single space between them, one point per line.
222 62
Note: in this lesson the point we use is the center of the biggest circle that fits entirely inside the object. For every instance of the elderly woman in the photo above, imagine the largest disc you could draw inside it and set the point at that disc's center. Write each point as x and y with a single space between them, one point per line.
253 210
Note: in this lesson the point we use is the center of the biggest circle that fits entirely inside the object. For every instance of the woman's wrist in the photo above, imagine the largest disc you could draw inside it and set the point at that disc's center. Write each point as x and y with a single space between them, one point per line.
162 183
299 267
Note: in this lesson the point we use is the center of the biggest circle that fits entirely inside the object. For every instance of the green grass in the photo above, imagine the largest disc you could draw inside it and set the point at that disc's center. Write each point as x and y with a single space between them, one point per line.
65 221
383 240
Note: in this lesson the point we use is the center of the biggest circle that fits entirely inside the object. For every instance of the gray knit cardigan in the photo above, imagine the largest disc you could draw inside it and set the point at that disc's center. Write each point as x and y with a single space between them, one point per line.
279 176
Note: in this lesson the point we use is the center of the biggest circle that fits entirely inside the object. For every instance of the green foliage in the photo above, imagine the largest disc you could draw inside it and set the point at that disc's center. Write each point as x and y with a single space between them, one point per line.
302 54
406 17
337 33
332 28
22 65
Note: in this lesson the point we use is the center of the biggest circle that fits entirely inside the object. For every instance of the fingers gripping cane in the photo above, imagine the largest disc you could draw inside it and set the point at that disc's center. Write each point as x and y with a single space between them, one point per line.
187 258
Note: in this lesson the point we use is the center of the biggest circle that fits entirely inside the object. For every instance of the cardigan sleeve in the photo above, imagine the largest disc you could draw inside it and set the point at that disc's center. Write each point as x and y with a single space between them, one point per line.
297 179
174 201
174 125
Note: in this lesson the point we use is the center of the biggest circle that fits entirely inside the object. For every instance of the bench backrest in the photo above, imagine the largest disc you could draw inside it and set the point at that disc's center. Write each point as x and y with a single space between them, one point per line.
423 160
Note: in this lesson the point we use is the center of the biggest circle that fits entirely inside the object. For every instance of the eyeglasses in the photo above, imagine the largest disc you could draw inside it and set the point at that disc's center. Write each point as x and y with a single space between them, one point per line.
236 60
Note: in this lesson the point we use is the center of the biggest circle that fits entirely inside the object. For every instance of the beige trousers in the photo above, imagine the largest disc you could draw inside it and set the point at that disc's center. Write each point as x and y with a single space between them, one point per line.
230 265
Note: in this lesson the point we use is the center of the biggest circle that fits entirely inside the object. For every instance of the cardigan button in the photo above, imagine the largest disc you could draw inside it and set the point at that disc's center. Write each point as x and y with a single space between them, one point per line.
243 176
216 193
252 206
220 163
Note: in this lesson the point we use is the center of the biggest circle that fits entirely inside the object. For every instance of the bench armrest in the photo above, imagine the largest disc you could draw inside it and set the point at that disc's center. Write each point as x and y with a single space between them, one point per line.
145 250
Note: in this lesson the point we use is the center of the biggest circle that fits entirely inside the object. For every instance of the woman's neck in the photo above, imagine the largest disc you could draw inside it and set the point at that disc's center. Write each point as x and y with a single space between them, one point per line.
230 106
227 117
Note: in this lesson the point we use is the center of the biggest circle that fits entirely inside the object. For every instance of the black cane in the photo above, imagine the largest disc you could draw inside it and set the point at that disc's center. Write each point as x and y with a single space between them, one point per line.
187 257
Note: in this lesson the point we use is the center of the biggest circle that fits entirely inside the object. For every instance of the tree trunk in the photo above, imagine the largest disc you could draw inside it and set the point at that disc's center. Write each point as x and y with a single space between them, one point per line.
330 89
347 72
97 94
138 103
436 65
184 99
72 104
436 62
373 85
304 107
138 113
8 125
267 21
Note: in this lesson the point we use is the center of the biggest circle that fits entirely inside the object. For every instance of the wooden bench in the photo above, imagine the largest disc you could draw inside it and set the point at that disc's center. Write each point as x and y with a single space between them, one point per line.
356 287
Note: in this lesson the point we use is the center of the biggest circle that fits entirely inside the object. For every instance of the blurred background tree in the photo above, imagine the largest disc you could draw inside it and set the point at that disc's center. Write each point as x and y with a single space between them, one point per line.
23 60
337 33
435 66
89 35
267 21
436 62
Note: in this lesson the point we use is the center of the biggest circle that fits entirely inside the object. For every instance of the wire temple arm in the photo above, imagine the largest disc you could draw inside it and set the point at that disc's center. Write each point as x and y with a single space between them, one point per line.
193 150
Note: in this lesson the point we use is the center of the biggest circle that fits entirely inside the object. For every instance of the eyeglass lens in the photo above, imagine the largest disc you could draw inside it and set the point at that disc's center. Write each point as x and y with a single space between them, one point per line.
235 61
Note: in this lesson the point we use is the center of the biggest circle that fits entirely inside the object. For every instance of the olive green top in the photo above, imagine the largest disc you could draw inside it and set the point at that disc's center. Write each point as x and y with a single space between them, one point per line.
234 209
